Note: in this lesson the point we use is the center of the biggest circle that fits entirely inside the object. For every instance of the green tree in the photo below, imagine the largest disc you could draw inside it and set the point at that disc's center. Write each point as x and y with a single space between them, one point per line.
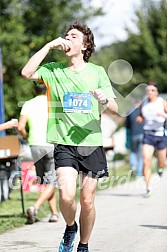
25 27
145 50
12 39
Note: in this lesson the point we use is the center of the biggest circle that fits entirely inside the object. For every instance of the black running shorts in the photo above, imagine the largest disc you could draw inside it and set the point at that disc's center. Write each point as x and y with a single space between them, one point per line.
90 160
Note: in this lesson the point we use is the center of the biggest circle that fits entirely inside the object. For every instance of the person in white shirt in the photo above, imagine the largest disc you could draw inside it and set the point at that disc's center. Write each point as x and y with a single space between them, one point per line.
35 113
152 112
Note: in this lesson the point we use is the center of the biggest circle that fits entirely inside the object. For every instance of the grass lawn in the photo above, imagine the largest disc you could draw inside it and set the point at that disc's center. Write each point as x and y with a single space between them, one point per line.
11 215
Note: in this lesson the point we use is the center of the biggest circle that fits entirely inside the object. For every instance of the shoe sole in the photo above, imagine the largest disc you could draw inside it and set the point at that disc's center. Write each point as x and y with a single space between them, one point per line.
52 221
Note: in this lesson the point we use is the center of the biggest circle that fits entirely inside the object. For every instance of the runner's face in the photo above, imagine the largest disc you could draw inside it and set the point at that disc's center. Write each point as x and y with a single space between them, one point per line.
152 92
76 37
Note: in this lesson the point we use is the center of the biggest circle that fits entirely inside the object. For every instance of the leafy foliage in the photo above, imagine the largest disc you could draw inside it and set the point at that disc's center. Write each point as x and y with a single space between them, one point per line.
146 51
26 26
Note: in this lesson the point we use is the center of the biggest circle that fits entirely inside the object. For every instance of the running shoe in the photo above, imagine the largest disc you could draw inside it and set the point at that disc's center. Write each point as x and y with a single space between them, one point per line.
82 249
160 172
31 215
67 243
148 193
54 218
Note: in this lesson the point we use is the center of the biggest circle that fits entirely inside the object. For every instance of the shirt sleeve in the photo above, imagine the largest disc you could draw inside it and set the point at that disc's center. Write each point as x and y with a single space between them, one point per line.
43 73
25 109
105 83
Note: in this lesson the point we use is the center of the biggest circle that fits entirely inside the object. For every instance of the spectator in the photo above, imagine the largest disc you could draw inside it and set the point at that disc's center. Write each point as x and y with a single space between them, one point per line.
134 139
34 113
5 168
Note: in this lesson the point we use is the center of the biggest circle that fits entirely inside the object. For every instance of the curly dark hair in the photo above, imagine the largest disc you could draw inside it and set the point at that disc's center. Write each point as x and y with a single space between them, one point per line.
88 38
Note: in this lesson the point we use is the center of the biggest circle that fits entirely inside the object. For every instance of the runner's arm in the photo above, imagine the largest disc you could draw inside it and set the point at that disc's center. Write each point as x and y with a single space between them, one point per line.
105 103
165 106
111 105
30 69
165 110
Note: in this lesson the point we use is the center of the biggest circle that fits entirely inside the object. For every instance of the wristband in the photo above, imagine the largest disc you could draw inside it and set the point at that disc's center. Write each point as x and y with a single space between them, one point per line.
104 103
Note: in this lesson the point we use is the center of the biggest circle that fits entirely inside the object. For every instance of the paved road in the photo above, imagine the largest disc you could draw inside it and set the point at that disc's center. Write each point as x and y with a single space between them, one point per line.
126 222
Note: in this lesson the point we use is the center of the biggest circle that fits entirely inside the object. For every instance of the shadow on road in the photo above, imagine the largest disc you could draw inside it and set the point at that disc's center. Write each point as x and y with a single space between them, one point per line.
154 226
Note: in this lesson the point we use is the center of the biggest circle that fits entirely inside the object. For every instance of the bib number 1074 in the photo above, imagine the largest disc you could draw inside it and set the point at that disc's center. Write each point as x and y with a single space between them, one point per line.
77 102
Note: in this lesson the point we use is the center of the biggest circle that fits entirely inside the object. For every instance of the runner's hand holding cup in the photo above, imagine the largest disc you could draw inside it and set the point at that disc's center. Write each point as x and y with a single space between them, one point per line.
60 44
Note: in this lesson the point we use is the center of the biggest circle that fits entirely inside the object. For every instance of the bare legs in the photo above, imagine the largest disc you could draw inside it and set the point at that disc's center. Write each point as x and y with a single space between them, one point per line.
161 155
148 151
48 193
67 177
88 213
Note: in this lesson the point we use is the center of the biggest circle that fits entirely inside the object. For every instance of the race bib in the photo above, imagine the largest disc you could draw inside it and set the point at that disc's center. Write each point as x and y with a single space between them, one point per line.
77 102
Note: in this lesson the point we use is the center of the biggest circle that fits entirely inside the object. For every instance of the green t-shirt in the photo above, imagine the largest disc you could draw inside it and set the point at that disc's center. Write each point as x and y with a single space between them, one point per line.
74 116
